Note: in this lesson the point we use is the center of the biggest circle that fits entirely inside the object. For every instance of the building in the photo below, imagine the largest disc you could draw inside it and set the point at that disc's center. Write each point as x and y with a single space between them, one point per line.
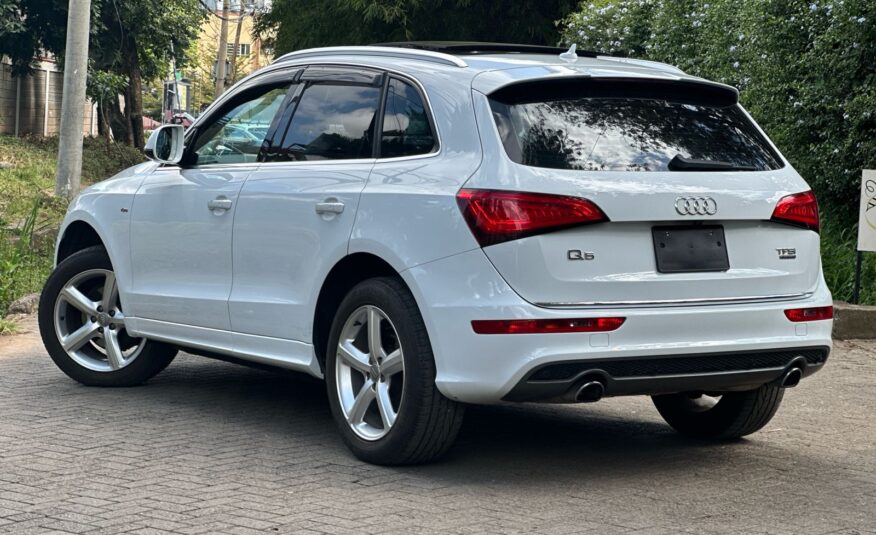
251 54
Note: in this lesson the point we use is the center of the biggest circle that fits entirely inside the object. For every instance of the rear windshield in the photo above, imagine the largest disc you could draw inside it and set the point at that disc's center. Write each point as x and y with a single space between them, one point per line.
628 134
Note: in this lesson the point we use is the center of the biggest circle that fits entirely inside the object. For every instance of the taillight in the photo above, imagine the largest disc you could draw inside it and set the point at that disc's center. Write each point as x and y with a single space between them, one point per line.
496 216
809 314
579 325
800 209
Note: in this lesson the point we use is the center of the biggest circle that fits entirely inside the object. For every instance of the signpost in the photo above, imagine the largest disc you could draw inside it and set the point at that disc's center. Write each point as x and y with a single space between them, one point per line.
866 224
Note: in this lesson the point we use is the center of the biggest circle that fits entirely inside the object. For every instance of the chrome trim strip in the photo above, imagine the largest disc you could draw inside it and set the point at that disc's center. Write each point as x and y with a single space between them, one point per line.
374 51
680 302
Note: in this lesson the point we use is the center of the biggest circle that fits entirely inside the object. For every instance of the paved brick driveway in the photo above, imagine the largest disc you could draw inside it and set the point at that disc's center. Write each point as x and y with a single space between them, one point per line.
210 447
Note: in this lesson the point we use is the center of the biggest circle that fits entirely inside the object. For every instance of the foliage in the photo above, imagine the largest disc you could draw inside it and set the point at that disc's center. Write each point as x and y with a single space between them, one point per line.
30 214
130 42
806 70
304 24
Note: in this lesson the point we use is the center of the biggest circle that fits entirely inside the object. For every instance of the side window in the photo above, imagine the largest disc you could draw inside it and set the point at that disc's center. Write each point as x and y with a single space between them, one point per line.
331 122
406 129
237 135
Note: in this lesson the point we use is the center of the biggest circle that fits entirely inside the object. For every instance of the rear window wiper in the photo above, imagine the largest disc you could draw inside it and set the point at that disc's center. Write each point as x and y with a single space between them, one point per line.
680 163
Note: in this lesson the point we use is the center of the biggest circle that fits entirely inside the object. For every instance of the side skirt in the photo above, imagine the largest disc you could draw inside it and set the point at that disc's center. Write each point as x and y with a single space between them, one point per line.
263 350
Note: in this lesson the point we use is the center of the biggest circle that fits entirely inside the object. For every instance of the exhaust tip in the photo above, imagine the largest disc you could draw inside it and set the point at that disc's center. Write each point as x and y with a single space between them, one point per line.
590 392
792 378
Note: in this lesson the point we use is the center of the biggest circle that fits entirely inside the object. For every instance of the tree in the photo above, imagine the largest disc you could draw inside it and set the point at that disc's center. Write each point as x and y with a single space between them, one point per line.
135 41
806 70
297 24
129 39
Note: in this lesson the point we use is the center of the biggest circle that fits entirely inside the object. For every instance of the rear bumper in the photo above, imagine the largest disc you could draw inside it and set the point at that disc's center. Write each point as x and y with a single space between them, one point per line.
473 368
667 373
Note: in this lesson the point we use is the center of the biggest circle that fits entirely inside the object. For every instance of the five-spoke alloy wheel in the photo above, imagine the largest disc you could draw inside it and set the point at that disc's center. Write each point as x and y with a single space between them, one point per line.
369 373
83 326
381 378
90 324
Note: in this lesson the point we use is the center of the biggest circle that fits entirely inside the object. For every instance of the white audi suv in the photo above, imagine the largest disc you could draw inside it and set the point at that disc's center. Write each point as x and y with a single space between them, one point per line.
429 225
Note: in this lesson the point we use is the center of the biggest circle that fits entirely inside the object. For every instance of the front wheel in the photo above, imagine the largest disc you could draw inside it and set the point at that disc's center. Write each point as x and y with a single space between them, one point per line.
83 326
380 376
725 417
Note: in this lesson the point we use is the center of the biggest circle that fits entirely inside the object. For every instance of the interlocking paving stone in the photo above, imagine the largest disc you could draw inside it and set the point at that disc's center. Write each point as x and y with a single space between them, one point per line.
209 447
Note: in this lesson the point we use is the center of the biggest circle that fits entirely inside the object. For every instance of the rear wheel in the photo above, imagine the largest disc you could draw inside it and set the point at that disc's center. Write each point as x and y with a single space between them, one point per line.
725 417
83 326
380 376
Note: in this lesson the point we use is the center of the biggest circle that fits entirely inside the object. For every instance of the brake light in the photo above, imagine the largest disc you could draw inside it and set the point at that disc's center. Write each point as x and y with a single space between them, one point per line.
809 314
496 216
800 209
577 325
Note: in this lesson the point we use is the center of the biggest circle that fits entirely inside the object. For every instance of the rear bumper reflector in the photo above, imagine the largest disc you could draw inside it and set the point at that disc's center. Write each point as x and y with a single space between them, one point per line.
576 325
809 314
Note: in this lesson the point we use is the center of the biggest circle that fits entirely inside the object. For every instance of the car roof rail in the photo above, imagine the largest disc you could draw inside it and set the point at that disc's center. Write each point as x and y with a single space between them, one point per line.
474 47
375 50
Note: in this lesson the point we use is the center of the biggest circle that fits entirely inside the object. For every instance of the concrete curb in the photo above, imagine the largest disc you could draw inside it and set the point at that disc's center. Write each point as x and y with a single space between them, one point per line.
853 321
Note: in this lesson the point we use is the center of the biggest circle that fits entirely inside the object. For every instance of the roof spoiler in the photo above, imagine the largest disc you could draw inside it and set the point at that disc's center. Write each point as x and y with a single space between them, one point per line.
691 91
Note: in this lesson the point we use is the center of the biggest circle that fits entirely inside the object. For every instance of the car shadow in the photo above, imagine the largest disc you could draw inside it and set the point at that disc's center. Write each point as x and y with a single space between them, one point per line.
530 444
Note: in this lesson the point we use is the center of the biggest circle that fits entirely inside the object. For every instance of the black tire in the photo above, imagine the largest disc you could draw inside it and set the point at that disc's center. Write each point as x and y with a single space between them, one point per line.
153 358
735 415
427 422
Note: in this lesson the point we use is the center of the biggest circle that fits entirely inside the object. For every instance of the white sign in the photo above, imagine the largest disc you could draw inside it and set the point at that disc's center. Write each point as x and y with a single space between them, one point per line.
867 218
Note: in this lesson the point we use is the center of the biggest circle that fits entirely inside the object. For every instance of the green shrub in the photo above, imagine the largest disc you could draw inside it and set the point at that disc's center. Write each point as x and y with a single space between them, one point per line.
30 214
806 72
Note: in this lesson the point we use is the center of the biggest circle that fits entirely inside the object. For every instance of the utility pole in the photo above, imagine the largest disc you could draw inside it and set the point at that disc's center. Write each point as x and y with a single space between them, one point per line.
221 54
73 103
236 46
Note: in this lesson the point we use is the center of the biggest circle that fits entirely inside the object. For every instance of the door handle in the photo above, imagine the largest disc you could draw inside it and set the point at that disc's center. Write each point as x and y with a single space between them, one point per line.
219 204
330 206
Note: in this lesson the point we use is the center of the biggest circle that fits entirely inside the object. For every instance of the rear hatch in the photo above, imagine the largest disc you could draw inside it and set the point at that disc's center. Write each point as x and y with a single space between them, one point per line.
684 199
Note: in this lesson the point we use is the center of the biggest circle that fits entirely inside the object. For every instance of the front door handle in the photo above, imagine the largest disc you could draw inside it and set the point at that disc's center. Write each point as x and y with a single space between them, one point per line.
330 206
219 204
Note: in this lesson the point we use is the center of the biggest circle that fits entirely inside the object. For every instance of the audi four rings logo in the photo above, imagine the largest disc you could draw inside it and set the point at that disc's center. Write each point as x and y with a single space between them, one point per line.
696 206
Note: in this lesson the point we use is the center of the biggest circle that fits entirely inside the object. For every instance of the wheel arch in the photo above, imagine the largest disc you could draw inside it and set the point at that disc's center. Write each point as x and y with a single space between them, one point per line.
344 275
77 235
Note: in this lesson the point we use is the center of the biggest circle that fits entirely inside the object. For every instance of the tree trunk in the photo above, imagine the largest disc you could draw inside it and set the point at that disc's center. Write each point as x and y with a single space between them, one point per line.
221 54
134 100
103 127
117 120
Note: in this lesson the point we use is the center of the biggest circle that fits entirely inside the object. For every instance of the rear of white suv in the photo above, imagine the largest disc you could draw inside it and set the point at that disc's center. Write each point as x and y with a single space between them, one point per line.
639 236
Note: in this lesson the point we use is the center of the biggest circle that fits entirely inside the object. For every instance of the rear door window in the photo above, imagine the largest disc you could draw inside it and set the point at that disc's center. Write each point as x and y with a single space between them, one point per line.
406 127
605 133
331 122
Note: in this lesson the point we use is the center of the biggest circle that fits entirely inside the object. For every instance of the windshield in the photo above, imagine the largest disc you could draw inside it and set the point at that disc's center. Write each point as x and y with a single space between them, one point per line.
628 134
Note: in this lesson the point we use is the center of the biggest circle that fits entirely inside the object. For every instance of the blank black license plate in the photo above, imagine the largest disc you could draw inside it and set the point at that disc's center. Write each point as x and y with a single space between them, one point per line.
687 249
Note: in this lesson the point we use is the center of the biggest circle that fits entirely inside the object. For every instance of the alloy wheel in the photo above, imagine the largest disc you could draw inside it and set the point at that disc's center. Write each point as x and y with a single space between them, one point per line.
90 324
369 372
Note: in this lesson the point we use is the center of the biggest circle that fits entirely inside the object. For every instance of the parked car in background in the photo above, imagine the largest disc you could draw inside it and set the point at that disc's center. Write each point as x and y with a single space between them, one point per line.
429 225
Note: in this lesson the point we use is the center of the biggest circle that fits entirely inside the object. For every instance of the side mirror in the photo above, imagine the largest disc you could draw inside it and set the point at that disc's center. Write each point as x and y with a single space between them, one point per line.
165 145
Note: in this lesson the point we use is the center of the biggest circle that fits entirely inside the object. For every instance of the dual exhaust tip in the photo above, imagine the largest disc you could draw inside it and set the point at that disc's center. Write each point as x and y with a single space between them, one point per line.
593 390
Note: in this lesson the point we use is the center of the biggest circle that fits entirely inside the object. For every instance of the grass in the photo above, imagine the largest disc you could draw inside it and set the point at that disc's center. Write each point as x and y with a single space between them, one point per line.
29 212
838 244
30 215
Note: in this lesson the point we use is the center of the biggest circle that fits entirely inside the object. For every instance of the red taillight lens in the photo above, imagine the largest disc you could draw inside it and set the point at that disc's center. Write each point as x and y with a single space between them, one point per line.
800 209
496 216
809 314
578 325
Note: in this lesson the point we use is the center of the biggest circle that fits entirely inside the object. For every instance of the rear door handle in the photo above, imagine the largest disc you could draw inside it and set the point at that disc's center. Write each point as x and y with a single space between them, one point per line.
330 206
219 204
